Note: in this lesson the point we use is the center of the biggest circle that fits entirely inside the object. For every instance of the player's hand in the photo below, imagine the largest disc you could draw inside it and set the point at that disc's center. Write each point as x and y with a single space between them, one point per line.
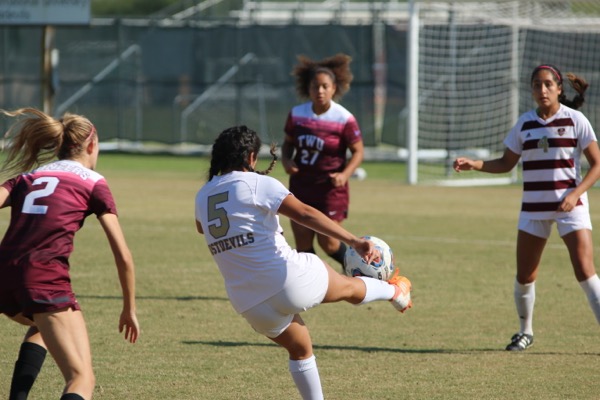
290 167
463 164
128 323
338 179
367 250
568 203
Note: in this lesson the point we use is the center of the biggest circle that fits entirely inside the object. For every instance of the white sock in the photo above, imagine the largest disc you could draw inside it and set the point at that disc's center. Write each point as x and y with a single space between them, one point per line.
306 377
376 290
591 287
524 300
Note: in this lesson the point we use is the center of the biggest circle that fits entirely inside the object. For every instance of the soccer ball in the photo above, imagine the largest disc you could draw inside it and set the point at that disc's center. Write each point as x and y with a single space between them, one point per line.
380 268
359 174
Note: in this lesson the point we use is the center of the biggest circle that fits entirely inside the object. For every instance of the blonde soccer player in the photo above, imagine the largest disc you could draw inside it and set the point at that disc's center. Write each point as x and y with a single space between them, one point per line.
48 206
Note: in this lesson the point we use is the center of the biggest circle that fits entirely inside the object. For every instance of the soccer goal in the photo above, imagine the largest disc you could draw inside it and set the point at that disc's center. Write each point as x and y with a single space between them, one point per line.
468 76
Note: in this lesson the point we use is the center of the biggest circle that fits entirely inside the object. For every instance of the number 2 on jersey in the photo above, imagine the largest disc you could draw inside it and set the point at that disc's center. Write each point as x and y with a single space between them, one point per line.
28 205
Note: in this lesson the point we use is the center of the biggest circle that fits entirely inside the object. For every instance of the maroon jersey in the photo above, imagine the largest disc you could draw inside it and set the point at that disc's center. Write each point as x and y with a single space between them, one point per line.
321 143
48 206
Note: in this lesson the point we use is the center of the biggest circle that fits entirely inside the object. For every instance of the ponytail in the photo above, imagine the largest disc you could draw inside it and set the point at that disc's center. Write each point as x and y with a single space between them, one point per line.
36 138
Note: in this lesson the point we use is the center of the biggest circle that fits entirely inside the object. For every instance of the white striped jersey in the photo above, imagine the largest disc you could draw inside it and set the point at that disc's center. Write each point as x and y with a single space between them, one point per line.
551 152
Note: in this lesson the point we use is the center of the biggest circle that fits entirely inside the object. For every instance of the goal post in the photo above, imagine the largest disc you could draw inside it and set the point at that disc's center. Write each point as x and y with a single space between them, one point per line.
468 83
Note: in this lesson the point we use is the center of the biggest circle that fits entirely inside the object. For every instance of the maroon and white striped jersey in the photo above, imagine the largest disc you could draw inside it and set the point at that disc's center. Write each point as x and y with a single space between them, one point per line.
48 206
551 155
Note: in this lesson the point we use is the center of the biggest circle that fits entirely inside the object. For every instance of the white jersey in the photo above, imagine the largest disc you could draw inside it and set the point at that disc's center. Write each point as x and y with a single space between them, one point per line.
238 213
550 151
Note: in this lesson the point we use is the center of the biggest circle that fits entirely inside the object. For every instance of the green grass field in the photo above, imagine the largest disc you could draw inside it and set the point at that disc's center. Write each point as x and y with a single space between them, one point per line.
455 244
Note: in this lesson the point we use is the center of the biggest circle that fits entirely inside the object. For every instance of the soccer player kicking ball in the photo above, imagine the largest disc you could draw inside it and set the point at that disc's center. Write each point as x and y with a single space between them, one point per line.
267 281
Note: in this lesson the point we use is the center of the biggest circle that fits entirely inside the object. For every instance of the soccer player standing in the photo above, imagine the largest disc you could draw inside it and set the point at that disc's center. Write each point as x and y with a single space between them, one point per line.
550 140
318 134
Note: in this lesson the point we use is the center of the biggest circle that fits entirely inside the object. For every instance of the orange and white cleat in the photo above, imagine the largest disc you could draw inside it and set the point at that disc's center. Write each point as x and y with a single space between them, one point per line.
401 300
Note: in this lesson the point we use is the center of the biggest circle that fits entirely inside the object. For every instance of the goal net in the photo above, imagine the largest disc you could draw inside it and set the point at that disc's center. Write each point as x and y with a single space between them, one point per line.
473 61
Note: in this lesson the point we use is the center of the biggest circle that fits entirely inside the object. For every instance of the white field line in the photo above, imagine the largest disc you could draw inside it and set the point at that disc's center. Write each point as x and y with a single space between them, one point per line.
448 240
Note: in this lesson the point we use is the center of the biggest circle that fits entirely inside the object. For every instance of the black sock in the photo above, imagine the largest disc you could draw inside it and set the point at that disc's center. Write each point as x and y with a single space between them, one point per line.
28 366
71 396
311 250
339 254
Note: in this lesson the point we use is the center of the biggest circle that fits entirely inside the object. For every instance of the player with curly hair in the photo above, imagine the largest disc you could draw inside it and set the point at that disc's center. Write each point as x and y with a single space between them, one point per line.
318 134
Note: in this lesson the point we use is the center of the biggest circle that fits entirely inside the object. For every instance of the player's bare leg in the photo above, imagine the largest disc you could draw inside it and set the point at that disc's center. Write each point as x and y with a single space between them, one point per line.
303 237
581 251
296 340
529 254
345 288
66 337
333 247
22 320
303 366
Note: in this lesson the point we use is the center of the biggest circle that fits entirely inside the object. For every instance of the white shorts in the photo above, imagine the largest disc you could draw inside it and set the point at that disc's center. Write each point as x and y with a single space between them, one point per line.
543 227
303 291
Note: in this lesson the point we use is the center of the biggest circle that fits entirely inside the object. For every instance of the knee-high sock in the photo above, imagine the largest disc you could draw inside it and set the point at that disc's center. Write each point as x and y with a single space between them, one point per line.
339 254
591 287
525 300
306 377
71 396
376 290
27 367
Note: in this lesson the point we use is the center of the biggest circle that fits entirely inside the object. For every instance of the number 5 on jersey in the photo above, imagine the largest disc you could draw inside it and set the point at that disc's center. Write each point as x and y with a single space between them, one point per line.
220 229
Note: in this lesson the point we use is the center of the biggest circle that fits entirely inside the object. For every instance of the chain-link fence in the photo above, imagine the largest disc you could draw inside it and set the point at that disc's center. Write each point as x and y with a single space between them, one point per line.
183 76
139 82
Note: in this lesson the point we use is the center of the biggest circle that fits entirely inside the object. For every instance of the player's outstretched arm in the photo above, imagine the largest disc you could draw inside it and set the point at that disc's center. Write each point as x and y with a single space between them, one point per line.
312 218
497 166
125 267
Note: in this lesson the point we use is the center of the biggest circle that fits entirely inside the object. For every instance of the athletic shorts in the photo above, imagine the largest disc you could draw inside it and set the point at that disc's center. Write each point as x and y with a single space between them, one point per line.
331 201
302 292
543 227
34 301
